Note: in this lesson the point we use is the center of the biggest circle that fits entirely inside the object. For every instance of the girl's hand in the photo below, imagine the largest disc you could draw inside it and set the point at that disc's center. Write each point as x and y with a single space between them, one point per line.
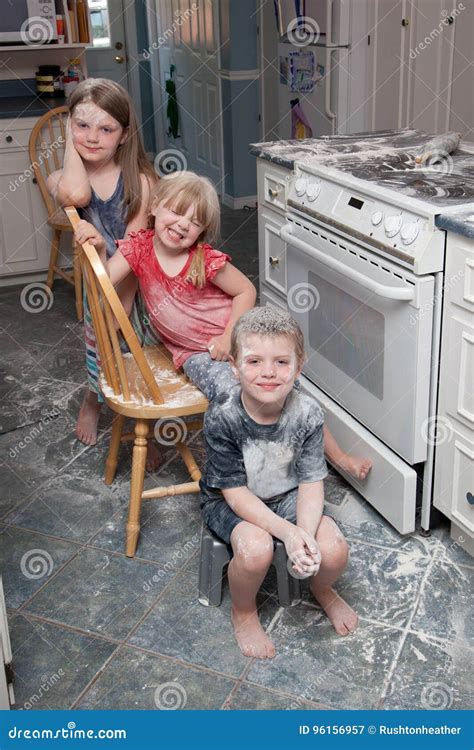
86 232
219 347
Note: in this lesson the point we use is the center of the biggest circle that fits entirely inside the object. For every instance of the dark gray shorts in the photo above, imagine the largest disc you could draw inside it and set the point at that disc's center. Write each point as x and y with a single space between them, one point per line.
221 519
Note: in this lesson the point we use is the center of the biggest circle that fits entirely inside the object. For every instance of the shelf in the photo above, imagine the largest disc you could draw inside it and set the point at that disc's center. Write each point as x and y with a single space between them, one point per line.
55 47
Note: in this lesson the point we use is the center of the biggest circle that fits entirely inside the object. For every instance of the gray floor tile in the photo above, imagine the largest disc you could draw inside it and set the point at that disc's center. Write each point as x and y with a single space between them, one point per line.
181 627
250 697
52 665
101 593
27 560
314 663
445 607
431 675
134 680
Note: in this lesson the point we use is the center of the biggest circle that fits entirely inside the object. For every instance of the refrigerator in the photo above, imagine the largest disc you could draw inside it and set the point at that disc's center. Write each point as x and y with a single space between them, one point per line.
322 60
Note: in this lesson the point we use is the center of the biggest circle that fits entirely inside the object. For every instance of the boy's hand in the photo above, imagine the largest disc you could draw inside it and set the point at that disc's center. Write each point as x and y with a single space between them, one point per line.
303 551
219 347
86 232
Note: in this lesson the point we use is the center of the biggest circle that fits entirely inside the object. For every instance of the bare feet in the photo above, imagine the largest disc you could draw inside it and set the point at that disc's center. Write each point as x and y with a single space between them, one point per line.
86 427
343 617
153 456
251 638
355 466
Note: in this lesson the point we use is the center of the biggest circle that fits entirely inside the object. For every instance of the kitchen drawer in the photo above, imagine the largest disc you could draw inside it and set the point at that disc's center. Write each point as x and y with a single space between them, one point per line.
272 251
272 185
12 139
459 282
457 371
454 479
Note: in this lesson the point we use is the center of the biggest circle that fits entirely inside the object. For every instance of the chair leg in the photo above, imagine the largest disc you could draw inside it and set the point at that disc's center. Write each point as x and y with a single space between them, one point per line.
53 257
288 587
76 259
136 486
112 458
214 556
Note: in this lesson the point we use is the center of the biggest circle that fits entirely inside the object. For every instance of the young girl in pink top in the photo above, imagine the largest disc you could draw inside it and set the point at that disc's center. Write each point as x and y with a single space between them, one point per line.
192 293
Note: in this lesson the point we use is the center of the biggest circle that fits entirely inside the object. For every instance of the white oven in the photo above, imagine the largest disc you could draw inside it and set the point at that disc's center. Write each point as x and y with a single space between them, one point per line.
367 324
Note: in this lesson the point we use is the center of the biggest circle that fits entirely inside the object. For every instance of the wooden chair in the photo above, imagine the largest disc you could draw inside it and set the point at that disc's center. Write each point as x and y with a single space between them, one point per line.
142 384
46 155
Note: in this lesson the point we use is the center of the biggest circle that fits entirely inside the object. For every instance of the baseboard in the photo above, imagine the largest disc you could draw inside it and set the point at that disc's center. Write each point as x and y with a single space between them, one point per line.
26 278
238 203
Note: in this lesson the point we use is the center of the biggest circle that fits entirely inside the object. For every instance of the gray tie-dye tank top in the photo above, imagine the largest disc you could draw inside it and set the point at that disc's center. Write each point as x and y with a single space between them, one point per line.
108 217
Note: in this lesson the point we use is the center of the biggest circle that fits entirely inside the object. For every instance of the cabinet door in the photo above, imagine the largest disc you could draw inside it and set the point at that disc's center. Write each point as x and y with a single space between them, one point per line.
272 251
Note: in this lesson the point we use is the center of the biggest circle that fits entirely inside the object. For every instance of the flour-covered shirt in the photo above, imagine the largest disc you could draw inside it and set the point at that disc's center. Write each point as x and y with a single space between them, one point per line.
268 459
185 316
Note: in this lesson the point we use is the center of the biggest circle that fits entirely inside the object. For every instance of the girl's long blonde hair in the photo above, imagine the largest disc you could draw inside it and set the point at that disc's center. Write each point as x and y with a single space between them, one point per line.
181 190
114 99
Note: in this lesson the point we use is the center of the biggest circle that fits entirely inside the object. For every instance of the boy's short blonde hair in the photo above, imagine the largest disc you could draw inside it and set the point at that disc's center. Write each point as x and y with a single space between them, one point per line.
267 321
181 190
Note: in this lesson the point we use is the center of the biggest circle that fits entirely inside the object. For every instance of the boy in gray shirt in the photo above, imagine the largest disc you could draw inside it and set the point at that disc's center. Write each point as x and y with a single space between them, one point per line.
264 472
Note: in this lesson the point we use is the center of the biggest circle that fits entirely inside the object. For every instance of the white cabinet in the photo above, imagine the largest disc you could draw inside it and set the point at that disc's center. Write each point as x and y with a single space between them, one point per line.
419 65
272 182
454 473
25 236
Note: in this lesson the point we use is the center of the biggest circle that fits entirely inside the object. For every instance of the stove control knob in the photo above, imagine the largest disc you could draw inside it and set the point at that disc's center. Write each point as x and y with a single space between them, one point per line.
392 225
313 190
377 218
409 232
300 186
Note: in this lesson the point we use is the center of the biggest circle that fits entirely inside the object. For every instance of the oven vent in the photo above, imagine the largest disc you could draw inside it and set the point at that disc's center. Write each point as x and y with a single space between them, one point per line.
352 252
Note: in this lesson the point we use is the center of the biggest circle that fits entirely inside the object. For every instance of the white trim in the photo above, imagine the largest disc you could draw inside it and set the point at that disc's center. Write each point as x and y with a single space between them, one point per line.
238 203
239 75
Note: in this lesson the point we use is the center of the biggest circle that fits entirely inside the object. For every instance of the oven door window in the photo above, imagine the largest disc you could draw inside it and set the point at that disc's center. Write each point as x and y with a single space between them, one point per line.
348 333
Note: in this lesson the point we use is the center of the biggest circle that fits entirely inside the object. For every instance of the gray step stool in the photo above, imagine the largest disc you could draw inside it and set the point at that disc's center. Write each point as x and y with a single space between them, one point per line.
215 556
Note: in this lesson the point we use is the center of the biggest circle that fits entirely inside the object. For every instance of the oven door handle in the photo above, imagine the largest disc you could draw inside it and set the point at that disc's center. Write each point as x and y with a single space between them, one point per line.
390 292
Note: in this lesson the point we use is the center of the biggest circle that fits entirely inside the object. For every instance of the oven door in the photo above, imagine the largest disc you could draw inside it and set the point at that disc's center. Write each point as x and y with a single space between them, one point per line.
368 330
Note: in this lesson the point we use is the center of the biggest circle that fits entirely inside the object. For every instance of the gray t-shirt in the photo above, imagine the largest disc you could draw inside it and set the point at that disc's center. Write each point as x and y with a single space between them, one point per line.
269 459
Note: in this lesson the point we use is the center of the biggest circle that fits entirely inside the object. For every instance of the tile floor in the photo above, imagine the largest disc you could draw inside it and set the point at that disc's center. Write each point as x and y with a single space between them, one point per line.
92 629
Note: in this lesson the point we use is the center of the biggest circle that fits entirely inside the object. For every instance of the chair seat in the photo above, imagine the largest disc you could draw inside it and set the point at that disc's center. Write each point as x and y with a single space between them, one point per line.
181 396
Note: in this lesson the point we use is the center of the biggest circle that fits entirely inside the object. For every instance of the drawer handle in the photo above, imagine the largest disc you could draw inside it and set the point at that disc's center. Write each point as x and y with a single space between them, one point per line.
274 262
273 192
9 138
470 498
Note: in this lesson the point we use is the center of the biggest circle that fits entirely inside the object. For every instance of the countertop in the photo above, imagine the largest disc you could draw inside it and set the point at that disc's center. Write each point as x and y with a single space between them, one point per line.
461 223
28 106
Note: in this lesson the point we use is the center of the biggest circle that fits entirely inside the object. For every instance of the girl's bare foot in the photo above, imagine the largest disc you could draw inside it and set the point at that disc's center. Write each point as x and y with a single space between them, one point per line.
251 638
343 617
355 466
86 427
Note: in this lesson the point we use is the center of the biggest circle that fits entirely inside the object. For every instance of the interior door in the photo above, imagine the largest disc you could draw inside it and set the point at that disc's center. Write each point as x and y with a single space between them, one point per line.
107 58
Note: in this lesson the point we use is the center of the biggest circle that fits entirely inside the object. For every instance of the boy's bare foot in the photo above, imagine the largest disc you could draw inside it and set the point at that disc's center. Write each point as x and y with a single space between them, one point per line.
86 427
353 465
251 638
343 617
153 456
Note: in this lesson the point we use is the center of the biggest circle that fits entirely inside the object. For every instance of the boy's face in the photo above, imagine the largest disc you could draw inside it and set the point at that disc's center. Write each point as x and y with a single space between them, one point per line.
267 368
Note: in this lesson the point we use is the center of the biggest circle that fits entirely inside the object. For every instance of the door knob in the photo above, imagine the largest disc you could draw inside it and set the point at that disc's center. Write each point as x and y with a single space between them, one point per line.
405 21
274 262
119 58
119 45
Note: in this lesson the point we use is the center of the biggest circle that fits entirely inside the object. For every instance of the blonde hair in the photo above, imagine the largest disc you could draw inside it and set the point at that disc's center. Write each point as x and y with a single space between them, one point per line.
181 190
130 155
267 321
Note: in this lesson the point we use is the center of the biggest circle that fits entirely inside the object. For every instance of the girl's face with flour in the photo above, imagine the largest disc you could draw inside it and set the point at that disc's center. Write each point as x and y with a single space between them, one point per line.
177 228
96 134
